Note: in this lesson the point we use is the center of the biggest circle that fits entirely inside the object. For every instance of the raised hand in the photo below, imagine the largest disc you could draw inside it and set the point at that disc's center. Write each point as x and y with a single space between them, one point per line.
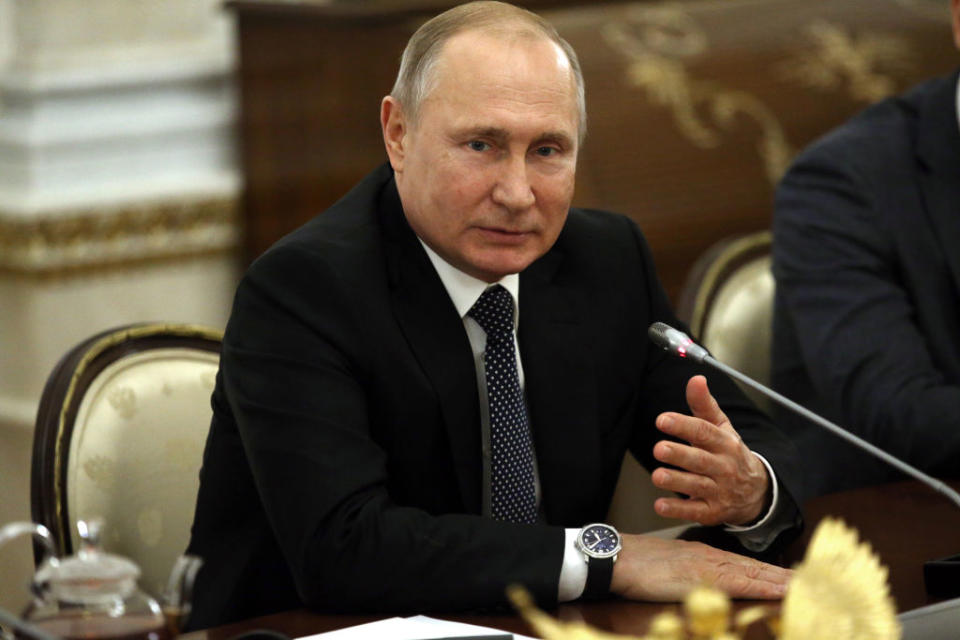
724 481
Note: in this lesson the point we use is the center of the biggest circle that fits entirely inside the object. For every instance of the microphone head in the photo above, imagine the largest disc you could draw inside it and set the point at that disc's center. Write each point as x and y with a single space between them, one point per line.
676 342
658 334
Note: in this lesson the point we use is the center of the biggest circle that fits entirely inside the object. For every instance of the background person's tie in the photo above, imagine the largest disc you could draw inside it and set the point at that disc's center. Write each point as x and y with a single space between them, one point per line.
513 495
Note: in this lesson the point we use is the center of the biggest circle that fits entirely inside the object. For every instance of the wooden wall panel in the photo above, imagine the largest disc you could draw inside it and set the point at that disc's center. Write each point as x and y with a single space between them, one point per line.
695 107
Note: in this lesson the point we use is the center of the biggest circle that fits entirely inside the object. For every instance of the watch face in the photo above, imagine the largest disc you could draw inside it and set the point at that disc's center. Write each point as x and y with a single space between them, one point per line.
600 540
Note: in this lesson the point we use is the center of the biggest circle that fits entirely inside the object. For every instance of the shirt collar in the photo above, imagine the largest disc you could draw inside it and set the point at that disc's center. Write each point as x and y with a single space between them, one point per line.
464 289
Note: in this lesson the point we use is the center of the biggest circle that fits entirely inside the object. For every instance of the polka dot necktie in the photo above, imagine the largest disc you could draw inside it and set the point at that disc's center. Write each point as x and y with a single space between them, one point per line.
513 496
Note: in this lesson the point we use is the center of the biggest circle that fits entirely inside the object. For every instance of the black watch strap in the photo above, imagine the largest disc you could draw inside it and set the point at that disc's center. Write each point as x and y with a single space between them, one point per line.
599 576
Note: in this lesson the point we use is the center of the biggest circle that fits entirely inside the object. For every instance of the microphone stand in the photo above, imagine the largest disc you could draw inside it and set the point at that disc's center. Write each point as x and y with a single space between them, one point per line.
937 485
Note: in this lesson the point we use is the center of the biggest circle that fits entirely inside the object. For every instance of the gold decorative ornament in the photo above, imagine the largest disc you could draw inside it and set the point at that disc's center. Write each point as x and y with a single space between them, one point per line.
96 239
832 57
708 612
657 41
839 592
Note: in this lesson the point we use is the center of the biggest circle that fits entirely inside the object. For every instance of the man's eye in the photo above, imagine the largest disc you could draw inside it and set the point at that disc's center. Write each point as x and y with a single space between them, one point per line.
546 151
478 145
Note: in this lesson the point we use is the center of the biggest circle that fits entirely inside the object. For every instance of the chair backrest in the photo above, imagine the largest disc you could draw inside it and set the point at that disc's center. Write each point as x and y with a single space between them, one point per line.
120 435
727 302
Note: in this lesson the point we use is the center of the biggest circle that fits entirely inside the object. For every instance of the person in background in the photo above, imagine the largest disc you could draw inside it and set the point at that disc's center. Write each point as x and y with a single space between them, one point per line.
425 393
867 310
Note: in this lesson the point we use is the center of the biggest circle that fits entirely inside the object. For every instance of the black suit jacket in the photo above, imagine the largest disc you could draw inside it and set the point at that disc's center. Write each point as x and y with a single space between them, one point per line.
867 315
343 465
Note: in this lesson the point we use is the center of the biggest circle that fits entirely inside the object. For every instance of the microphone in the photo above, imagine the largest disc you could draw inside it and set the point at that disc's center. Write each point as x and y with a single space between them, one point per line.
676 342
679 344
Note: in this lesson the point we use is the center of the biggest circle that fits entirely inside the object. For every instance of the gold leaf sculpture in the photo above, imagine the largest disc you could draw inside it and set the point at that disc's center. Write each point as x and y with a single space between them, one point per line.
839 592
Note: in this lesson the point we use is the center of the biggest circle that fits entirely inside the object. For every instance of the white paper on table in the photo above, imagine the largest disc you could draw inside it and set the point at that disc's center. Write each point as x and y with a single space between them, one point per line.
413 628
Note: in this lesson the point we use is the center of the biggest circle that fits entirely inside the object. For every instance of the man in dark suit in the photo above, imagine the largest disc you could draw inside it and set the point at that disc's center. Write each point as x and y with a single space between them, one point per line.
376 444
867 312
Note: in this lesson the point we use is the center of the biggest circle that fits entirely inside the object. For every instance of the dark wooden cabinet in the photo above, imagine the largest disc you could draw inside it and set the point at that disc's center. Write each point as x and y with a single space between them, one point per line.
695 108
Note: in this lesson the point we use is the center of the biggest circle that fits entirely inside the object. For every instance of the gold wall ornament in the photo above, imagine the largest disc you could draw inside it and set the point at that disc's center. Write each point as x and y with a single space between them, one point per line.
658 41
116 237
839 591
832 57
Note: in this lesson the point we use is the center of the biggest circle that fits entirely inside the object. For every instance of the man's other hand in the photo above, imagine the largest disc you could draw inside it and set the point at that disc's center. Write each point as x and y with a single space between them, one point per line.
659 570
724 481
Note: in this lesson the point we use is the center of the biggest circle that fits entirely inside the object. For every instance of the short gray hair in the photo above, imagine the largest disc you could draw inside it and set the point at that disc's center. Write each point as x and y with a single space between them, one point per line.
418 63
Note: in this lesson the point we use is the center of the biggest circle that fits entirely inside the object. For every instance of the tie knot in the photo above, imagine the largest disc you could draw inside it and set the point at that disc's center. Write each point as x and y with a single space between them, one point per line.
493 310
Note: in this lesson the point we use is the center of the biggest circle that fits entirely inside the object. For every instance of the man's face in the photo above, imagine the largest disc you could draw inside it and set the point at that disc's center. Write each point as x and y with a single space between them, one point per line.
486 175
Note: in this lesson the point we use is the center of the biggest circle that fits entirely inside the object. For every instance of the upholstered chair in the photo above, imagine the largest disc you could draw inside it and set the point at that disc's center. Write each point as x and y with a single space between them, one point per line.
120 435
728 303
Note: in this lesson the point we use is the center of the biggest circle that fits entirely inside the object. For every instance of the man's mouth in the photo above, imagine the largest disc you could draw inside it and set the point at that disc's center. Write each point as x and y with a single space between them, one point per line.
505 232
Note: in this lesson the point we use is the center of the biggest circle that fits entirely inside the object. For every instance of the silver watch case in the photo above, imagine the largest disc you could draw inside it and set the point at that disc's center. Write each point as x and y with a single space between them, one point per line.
589 553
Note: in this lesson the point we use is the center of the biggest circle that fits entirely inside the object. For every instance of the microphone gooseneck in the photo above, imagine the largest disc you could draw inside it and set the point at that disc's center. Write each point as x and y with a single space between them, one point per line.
681 345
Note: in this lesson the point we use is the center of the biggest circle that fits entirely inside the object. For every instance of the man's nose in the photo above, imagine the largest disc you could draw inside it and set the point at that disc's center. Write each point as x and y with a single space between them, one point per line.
513 189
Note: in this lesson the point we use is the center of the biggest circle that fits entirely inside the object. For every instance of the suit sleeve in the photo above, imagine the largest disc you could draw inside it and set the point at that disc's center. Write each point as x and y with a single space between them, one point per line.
836 266
295 382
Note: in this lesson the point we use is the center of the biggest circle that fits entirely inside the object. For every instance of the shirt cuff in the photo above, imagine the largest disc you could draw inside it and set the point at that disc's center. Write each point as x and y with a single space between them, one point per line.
761 534
573 571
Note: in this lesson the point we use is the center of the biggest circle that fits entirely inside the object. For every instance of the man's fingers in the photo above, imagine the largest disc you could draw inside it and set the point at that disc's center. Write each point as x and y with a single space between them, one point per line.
693 459
694 510
702 404
698 432
690 484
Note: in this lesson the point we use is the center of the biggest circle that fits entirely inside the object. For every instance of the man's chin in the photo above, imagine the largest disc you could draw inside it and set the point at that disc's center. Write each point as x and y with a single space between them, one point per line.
492 269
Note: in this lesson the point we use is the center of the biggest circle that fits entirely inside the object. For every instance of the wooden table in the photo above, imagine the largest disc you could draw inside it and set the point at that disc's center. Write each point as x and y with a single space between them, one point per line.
906 523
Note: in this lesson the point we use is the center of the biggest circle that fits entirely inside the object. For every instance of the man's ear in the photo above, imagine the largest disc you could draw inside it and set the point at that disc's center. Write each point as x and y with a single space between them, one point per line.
394 126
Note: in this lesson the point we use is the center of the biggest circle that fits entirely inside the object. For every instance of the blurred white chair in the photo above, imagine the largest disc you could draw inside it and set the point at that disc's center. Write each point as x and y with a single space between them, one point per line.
727 302
120 435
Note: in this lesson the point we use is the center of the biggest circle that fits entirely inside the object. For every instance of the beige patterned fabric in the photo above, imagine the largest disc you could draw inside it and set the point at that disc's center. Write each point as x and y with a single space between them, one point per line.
135 455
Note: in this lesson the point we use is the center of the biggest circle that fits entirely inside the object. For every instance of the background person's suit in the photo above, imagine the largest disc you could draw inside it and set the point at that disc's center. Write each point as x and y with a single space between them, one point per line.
343 466
867 316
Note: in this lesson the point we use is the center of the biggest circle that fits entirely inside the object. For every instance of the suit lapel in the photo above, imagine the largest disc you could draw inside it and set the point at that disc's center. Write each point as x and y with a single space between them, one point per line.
938 150
436 336
560 387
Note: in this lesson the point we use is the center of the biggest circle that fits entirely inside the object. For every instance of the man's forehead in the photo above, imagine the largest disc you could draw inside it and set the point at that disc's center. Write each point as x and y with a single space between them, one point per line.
501 38
468 60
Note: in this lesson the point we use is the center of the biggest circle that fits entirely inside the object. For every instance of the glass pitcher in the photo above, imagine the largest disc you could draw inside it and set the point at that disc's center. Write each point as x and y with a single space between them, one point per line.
94 594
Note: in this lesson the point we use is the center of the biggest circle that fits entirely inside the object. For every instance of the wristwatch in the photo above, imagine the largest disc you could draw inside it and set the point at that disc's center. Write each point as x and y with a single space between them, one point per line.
600 544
